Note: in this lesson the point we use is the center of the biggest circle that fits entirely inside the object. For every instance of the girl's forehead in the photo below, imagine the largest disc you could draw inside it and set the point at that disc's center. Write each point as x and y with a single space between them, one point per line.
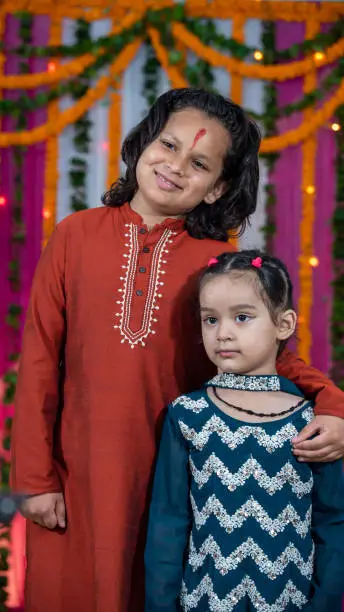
231 287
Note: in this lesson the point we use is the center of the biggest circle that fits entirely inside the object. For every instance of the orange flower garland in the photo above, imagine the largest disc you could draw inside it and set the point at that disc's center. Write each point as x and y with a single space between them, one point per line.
115 128
176 79
29 137
51 152
64 71
309 149
282 72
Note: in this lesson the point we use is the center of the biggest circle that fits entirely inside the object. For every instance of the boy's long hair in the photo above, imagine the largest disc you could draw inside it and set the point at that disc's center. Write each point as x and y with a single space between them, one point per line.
240 168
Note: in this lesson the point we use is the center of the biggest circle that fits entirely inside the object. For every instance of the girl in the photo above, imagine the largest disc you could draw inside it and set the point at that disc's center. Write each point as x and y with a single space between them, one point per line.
111 338
261 531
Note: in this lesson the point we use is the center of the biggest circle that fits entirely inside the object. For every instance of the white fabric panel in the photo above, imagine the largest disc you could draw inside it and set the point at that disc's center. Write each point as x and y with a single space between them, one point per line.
133 109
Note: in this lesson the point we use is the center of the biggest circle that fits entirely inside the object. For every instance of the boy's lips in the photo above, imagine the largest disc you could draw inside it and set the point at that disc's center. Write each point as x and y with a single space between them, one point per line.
165 183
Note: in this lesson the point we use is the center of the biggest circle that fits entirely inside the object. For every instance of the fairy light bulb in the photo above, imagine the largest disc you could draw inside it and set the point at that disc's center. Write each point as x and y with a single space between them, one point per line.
2 201
51 67
335 127
313 261
46 214
319 56
105 146
258 55
310 189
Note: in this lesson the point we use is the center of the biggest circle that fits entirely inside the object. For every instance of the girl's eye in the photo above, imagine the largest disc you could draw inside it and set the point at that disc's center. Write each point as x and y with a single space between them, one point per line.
210 320
199 165
242 318
167 144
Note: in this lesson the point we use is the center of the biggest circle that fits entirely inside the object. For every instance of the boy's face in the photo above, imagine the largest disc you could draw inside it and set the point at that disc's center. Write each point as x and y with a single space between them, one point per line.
182 167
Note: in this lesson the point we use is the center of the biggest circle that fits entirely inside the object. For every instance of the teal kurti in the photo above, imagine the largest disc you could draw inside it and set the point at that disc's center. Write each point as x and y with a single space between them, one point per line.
236 522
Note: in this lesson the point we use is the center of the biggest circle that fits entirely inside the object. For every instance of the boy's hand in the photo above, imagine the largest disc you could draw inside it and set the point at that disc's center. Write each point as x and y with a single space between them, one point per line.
328 444
47 510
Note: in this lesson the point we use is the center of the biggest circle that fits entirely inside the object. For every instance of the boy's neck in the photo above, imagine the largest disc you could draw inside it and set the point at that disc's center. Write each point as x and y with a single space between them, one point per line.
149 217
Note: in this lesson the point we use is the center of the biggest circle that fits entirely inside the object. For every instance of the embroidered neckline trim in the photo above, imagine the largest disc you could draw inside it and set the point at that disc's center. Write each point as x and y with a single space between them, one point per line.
243 382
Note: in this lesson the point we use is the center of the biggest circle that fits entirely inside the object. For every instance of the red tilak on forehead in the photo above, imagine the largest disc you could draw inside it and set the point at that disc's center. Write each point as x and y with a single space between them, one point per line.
199 135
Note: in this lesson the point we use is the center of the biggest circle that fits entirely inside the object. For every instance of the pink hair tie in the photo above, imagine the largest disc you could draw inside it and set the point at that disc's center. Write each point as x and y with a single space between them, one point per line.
257 263
212 262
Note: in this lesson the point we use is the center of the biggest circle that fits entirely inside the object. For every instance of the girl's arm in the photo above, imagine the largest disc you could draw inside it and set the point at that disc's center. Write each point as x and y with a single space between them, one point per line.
37 394
314 384
169 522
328 536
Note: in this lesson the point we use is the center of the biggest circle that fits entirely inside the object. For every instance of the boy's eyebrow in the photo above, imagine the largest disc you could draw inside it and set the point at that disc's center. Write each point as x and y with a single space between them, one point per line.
179 142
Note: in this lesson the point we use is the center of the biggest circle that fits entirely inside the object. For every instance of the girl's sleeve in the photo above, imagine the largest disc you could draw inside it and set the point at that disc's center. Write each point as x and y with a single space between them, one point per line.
37 394
169 522
314 384
328 536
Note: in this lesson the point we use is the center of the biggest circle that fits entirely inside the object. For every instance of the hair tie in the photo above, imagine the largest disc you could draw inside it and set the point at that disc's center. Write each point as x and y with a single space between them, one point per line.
212 262
257 262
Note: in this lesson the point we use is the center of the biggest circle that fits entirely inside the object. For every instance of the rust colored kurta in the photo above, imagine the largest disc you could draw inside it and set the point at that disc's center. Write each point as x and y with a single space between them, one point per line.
110 339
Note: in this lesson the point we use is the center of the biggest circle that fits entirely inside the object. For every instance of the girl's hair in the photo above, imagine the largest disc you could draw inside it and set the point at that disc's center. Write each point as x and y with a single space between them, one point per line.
273 280
240 166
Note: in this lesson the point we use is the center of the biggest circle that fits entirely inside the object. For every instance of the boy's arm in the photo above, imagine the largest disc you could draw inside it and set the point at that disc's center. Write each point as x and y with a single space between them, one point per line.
37 394
169 522
323 438
315 385
328 537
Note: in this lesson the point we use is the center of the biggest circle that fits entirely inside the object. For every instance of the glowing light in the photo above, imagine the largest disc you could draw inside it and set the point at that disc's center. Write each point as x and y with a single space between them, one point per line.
310 189
105 146
258 56
46 214
335 127
2 200
51 67
314 262
319 56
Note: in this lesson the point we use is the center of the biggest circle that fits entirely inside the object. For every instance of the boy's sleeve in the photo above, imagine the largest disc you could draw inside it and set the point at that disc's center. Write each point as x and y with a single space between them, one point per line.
328 536
169 522
315 385
37 394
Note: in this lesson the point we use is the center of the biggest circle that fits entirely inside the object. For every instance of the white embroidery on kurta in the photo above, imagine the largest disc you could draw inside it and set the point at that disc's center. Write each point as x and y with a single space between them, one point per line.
135 338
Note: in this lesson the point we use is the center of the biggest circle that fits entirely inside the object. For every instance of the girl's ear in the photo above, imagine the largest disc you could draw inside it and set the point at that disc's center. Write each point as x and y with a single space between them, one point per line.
286 324
216 193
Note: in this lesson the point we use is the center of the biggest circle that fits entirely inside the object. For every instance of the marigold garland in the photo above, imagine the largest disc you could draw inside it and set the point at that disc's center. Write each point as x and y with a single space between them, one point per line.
309 150
114 129
29 137
282 72
51 152
92 10
64 71
176 79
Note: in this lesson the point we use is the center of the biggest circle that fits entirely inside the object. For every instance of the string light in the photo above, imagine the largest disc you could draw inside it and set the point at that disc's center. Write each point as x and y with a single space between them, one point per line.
2 200
319 56
335 127
310 189
258 56
46 214
105 146
51 67
313 261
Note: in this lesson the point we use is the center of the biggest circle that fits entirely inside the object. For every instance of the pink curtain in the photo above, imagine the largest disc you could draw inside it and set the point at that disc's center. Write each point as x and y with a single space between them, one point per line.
33 177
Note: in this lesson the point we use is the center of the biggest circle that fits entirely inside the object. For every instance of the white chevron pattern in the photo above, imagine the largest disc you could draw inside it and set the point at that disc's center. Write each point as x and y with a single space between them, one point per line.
190 404
251 509
246 587
233 439
251 549
287 475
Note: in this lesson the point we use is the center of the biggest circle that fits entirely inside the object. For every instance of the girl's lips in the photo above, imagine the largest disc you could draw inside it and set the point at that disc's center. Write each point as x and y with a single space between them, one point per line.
227 353
164 183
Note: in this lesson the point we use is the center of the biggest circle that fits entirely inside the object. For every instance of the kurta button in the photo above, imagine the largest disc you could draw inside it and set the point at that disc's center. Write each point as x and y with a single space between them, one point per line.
142 270
139 292
145 249
142 230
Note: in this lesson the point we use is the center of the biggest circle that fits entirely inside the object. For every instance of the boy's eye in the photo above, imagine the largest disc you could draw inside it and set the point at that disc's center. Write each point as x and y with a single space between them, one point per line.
167 144
199 165
242 318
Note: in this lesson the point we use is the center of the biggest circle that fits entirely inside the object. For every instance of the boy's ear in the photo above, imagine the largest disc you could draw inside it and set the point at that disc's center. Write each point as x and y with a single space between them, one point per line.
216 193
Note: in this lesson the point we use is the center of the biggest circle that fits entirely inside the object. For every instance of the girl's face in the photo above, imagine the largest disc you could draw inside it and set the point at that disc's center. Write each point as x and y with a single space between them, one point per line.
238 332
182 167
